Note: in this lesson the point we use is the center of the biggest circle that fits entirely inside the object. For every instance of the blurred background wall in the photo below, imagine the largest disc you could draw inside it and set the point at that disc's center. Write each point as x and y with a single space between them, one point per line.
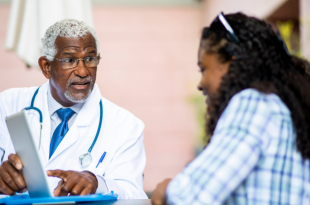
149 56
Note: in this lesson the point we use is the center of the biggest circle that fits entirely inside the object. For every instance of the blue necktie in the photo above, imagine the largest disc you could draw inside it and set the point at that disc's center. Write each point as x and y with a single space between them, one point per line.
61 130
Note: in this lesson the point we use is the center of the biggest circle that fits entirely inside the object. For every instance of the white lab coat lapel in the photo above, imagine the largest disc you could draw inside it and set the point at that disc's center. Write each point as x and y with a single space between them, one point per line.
81 122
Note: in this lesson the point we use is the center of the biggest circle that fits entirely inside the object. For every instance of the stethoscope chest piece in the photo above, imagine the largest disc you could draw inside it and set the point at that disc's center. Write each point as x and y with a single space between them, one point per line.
85 160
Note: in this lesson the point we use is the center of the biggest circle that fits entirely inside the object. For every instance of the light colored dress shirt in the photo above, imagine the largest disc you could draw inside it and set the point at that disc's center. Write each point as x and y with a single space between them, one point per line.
53 106
252 158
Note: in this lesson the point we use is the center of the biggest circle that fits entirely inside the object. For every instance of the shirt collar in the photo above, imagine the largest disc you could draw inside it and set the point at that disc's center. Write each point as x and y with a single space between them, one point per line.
53 105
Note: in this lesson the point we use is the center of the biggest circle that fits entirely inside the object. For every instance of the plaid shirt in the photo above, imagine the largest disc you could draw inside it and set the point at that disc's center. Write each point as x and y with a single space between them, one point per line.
251 159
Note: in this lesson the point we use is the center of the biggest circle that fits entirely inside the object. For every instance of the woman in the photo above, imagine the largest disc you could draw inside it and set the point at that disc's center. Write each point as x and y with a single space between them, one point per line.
259 120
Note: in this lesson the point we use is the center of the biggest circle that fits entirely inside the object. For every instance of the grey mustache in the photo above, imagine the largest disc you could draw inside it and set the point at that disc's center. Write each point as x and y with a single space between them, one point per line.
75 80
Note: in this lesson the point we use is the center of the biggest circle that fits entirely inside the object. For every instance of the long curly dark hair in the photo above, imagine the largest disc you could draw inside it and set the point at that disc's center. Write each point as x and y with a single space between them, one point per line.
260 62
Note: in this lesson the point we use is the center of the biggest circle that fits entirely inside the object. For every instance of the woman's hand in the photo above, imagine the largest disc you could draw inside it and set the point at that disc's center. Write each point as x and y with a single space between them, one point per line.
159 194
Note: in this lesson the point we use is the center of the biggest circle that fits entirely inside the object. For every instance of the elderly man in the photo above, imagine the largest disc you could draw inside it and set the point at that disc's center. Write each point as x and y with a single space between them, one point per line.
73 112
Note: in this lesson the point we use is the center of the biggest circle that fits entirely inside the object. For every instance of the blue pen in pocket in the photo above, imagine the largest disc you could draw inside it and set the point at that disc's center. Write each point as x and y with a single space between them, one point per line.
101 158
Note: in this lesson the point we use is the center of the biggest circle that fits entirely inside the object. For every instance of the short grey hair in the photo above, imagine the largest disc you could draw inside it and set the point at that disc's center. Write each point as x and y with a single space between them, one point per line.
68 28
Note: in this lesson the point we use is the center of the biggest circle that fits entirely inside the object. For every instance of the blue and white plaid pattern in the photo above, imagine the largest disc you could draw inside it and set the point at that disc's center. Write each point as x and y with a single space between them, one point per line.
252 158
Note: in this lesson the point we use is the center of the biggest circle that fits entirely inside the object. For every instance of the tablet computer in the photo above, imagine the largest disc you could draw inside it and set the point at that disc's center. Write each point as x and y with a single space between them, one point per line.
25 148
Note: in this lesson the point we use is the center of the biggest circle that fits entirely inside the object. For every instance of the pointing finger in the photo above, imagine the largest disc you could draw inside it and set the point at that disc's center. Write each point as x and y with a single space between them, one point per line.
58 173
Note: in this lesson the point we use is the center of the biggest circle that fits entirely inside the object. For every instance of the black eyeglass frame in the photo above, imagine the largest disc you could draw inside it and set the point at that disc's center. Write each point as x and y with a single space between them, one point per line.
227 27
78 60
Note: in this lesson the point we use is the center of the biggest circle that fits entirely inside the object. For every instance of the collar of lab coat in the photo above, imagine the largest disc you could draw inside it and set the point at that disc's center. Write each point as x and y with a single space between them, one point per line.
53 105
81 122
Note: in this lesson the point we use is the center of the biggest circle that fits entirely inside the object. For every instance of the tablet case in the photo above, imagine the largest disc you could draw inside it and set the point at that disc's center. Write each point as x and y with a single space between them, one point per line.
26 149
25 199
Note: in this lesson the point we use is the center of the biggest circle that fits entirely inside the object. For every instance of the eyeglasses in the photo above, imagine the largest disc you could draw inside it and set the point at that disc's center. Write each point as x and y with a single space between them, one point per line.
90 62
228 27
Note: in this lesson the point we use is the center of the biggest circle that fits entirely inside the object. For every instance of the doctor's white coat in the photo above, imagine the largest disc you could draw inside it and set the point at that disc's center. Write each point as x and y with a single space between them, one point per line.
121 136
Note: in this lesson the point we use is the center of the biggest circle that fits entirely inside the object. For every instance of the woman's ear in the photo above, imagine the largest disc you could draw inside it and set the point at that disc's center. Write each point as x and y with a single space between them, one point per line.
45 66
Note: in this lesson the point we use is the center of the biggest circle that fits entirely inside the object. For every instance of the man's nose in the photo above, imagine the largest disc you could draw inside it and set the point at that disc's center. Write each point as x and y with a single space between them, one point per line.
81 70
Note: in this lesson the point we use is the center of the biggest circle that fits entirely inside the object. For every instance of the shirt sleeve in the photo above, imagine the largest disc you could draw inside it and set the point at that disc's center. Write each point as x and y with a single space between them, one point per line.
126 174
102 186
232 154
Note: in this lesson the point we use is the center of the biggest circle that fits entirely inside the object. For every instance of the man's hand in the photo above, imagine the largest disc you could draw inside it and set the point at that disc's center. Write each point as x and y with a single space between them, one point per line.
74 183
11 177
159 194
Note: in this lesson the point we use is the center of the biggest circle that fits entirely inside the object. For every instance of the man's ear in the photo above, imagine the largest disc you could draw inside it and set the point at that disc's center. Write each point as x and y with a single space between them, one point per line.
45 66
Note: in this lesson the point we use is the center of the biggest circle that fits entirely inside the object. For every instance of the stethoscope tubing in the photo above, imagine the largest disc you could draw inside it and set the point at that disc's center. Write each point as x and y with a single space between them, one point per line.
35 108
99 128
41 119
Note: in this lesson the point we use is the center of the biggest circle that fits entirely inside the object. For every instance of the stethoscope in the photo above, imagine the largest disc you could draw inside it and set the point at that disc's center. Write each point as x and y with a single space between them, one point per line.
85 159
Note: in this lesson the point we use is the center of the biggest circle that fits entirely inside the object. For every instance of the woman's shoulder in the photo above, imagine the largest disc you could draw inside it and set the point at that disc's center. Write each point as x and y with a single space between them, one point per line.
255 114
260 101
254 94
252 108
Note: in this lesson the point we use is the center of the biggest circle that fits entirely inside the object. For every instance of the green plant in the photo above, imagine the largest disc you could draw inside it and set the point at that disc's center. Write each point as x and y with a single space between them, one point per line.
199 106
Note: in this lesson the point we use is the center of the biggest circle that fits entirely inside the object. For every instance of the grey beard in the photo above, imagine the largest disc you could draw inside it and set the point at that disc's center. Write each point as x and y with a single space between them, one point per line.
75 99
